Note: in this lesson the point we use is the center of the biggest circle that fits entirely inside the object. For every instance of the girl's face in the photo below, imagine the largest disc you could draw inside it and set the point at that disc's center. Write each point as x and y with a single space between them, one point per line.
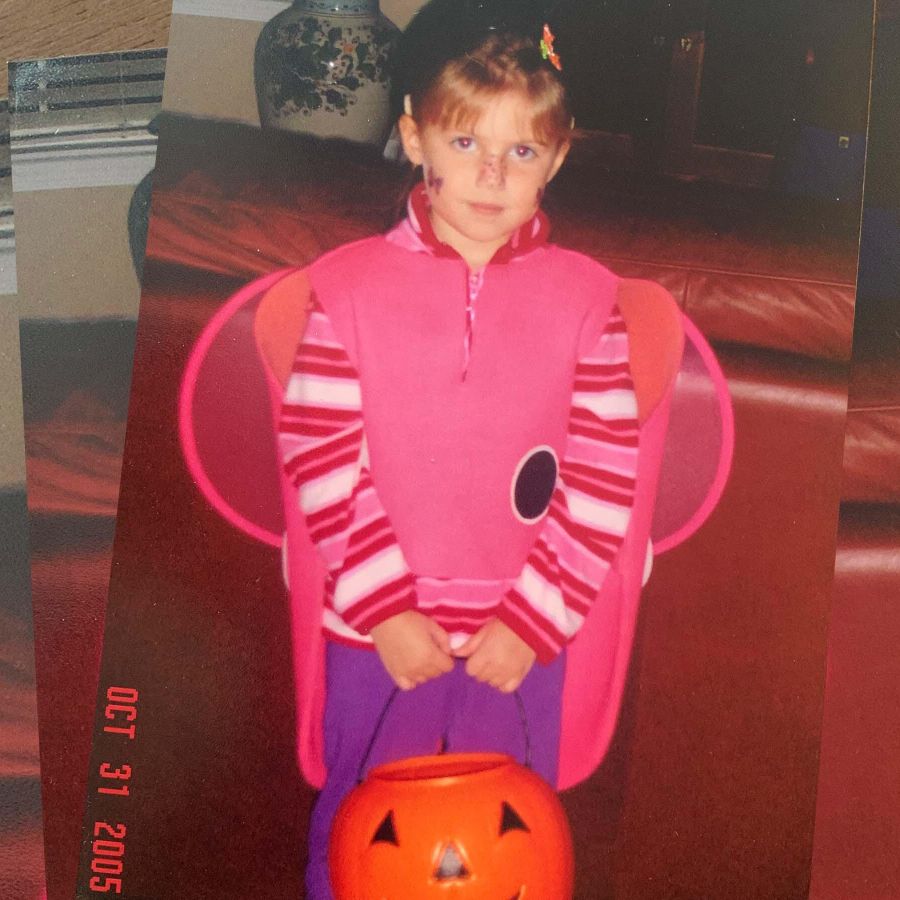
485 182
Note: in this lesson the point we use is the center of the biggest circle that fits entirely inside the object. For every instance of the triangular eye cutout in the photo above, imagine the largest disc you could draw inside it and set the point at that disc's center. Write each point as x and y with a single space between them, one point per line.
510 820
386 833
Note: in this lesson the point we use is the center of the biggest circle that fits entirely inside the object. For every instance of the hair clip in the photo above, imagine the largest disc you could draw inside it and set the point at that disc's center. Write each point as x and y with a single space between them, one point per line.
547 51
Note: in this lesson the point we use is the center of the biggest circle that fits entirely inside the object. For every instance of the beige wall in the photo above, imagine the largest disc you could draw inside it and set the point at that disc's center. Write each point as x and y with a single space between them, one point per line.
400 11
209 71
58 271
12 447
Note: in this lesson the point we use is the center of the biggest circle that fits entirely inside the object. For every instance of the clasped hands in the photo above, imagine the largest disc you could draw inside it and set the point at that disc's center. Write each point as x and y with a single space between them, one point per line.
414 649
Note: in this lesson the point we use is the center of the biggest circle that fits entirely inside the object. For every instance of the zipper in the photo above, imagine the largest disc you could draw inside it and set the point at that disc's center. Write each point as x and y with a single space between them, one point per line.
474 283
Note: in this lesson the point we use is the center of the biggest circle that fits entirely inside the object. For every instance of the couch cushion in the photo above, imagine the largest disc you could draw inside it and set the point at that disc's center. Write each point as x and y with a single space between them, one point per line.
806 316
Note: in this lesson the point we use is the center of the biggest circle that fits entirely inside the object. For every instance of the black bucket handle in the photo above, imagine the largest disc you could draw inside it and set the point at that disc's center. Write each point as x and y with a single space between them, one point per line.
520 706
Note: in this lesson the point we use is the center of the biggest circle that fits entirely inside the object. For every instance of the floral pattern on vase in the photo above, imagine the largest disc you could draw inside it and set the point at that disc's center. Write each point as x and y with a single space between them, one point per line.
322 68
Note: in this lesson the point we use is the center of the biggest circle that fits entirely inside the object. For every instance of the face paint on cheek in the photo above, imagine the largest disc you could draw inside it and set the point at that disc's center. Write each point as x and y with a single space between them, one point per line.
433 180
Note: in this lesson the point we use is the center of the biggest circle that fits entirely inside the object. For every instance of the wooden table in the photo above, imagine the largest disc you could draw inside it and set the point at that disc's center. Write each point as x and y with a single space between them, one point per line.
40 28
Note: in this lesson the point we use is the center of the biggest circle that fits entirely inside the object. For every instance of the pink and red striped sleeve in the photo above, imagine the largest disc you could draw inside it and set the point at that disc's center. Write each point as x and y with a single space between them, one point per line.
591 504
323 450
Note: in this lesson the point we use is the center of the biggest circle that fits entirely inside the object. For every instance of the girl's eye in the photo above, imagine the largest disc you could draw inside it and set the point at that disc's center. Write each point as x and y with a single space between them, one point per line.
523 151
463 143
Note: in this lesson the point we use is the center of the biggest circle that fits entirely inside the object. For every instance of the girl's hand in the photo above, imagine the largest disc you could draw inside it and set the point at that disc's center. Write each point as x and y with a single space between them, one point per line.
413 648
497 656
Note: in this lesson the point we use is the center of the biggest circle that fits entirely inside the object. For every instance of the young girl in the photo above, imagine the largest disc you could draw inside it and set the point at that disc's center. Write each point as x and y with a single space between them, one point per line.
459 424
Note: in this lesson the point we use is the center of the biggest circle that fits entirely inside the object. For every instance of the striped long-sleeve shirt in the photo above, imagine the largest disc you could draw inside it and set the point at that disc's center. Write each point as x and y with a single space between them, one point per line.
591 504
324 453
323 446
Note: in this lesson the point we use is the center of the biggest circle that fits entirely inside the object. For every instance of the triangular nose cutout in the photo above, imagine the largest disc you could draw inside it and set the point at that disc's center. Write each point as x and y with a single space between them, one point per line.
451 865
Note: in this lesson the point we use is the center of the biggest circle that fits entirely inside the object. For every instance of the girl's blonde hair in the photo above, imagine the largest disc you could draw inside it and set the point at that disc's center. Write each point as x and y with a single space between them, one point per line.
459 93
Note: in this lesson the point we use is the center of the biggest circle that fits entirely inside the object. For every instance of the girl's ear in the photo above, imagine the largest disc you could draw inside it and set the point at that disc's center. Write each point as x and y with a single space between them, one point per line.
411 139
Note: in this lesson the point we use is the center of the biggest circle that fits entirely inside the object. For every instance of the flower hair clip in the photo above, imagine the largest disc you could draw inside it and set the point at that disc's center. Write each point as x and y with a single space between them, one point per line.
547 51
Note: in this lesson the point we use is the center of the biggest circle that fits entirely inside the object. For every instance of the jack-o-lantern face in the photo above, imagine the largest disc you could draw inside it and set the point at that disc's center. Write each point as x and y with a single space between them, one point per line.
466 826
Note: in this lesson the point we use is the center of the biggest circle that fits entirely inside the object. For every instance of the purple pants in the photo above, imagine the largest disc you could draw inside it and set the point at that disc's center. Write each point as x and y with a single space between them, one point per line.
468 715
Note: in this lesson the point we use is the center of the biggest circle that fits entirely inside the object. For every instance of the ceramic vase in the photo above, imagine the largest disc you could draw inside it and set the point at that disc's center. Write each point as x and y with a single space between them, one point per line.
321 67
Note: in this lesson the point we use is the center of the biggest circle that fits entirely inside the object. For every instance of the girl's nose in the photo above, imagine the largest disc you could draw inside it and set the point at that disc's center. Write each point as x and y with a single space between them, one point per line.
493 172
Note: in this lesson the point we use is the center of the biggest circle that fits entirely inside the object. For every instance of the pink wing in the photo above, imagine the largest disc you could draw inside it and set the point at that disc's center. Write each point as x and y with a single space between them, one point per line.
225 419
699 445
229 448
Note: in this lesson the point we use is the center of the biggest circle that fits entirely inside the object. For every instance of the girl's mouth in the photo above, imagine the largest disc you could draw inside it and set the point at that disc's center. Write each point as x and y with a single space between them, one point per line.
486 209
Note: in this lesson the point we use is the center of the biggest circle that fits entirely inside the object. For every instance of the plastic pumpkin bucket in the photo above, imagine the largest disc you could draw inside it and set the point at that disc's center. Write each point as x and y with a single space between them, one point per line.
478 826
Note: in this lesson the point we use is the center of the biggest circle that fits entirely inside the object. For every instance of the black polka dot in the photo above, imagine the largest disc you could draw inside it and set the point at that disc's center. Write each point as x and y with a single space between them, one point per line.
534 484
